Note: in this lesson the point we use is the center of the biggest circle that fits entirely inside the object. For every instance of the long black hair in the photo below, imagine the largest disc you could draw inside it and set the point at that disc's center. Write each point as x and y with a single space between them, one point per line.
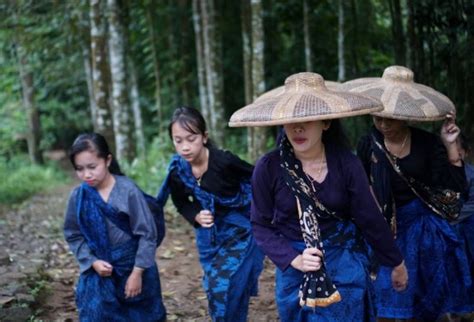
94 142
191 120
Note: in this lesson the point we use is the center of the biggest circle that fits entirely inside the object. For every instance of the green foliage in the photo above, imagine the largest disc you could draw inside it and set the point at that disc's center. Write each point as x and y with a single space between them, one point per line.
20 179
55 33
149 172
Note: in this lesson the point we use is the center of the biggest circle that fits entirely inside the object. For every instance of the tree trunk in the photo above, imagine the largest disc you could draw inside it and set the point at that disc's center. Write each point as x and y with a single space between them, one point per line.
152 26
213 75
355 39
411 52
137 113
101 72
201 70
33 135
247 49
120 102
86 58
340 43
397 32
257 137
173 52
307 39
184 40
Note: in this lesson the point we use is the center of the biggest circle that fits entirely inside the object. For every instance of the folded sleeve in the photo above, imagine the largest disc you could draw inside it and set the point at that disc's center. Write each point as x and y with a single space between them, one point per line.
74 237
143 226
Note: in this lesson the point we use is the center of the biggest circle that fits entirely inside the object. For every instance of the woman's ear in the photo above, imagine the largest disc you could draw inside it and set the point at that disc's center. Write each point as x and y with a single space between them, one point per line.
109 160
326 124
205 137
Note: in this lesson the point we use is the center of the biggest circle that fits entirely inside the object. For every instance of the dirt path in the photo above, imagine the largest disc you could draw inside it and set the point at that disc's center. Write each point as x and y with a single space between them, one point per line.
177 259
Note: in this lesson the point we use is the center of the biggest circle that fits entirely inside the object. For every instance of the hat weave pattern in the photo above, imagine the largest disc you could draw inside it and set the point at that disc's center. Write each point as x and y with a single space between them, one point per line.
305 97
402 98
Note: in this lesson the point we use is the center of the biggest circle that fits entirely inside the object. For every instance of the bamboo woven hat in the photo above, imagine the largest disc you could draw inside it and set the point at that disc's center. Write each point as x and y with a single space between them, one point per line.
402 98
305 98
330 85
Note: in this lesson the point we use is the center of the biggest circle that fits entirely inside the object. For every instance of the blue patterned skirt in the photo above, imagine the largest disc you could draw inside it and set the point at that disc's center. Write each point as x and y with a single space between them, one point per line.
232 263
347 264
103 298
438 270
465 232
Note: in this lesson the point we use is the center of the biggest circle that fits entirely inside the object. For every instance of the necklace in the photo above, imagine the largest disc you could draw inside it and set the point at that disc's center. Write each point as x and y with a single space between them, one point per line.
319 171
400 150
198 172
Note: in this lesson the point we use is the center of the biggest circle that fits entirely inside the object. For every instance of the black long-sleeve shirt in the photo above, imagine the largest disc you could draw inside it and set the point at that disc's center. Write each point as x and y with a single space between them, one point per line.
427 162
224 174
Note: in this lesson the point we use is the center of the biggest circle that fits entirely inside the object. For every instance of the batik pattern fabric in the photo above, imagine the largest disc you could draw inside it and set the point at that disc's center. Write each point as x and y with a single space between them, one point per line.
347 263
464 227
317 288
228 254
103 298
438 270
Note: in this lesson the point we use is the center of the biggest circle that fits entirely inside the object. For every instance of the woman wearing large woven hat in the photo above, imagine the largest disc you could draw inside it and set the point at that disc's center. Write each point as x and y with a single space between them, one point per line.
312 210
417 179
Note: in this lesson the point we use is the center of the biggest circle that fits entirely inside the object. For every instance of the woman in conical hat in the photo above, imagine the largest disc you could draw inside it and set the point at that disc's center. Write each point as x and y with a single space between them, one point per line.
312 210
416 178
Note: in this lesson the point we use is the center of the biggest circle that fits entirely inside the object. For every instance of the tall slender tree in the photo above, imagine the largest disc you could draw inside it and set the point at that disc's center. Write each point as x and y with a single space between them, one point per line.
154 44
397 32
201 70
257 136
213 73
136 109
341 76
246 49
100 70
307 38
33 135
120 100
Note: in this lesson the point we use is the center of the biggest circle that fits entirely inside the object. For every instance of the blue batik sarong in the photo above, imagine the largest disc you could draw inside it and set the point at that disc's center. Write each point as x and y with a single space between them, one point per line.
228 253
103 298
438 270
346 257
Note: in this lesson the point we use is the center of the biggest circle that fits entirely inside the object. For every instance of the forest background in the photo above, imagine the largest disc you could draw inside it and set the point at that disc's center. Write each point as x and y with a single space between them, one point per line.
120 67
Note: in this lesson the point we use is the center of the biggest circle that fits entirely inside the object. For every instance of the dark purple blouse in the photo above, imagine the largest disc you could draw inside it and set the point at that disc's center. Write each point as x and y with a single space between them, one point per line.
345 190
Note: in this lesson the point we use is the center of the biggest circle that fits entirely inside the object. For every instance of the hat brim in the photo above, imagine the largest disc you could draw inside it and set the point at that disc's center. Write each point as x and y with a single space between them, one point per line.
285 108
408 101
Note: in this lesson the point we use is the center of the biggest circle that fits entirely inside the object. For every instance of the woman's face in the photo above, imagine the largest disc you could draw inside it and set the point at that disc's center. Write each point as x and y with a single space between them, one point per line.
91 169
305 136
187 144
390 128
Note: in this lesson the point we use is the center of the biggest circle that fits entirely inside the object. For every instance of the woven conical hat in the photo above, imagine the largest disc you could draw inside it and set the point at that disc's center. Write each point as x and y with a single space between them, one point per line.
402 98
305 98
332 86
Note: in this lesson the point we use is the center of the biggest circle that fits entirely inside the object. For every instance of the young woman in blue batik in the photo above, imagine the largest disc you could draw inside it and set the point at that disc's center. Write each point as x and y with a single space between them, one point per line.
211 189
436 261
111 231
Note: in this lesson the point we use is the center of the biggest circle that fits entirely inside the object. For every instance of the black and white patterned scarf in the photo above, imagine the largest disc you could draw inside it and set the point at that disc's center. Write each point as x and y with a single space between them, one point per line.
317 288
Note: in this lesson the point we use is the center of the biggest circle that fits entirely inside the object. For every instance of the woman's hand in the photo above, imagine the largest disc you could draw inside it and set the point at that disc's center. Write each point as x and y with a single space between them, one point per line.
449 135
400 277
309 261
449 131
133 287
102 268
205 218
